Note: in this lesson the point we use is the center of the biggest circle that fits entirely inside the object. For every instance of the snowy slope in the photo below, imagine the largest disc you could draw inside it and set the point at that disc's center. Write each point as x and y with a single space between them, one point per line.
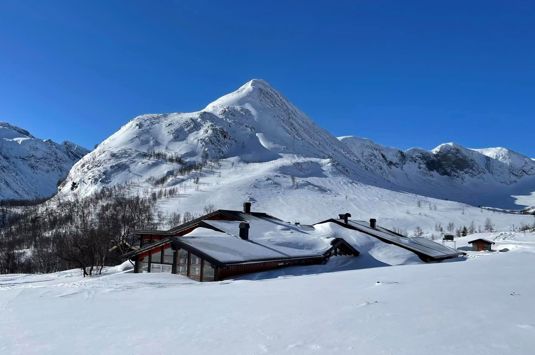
30 167
253 144
397 310
489 177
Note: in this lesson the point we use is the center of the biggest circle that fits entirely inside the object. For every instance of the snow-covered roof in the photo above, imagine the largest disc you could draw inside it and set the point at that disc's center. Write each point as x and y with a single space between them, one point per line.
419 245
286 238
217 235
268 238
481 240
226 248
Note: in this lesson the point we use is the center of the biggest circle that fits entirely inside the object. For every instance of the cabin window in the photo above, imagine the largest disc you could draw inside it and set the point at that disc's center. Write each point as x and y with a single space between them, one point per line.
144 264
195 267
157 257
182 260
160 268
208 271
168 256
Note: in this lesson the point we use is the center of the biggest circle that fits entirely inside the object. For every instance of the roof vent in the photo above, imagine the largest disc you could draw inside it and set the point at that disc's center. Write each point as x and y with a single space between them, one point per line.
244 230
373 223
344 217
247 207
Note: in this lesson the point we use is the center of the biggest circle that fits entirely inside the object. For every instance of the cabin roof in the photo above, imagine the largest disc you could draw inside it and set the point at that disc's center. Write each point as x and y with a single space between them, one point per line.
227 249
147 247
286 238
221 215
486 241
215 236
419 245
200 221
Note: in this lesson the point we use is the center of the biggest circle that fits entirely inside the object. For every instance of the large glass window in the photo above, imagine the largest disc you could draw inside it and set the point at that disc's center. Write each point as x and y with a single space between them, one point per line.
144 264
157 256
168 255
208 271
155 267
160 268
182 268
195 267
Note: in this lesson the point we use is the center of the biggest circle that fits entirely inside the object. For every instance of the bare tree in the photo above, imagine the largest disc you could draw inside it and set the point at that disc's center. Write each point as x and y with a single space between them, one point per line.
451 226
489 227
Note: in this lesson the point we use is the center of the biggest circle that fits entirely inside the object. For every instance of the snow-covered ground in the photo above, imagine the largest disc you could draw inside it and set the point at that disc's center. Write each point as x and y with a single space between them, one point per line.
483 305
314 197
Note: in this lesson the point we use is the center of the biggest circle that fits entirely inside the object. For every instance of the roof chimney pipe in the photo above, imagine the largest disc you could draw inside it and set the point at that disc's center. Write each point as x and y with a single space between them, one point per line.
344 217
247 207
244 230
373 223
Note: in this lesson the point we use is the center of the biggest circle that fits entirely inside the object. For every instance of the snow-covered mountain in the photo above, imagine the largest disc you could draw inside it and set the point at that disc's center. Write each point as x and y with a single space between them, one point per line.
31 168
253 124
489 176
254 144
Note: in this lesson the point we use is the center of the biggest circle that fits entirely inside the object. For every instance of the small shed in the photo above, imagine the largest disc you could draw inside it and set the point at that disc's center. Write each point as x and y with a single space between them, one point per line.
448 238
481 244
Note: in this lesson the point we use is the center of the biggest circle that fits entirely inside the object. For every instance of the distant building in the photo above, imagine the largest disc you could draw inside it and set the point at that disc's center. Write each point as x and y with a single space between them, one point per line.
448 238
481 244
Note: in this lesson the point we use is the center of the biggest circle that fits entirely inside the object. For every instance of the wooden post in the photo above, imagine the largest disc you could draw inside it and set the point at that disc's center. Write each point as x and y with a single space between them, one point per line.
136 265
175 259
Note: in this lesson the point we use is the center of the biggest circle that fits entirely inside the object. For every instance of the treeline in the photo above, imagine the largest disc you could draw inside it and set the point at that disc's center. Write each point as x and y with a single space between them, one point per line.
83 233
463 230
187 170
21 203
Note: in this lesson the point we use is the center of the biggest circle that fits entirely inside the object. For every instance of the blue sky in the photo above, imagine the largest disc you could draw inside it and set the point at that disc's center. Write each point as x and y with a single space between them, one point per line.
403 73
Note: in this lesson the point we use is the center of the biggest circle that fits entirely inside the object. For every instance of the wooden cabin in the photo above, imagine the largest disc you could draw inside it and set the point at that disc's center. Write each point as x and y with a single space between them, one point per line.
481 244
228 243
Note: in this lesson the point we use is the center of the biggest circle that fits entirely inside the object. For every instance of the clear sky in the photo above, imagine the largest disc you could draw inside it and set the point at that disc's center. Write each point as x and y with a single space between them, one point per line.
403 73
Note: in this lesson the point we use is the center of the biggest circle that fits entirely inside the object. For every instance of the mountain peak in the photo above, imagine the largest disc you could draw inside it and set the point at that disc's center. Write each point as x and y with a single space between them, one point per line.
447 146
9 131
252 93
509 157
258 84
31 167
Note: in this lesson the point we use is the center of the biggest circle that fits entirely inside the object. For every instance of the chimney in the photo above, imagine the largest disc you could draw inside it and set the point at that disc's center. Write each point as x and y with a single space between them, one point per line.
344 217
244 230
373 223
247 207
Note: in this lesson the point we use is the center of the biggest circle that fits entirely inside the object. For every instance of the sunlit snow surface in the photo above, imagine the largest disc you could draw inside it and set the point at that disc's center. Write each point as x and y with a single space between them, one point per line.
483 305
525 200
